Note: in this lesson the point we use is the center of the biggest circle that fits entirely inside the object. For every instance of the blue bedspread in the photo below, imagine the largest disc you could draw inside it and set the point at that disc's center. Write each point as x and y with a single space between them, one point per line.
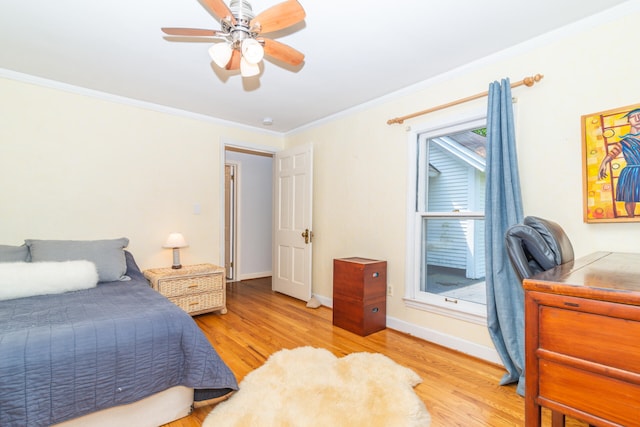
66 355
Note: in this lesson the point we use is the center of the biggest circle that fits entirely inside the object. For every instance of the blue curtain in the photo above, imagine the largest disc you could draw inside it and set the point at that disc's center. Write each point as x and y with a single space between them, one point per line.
505 296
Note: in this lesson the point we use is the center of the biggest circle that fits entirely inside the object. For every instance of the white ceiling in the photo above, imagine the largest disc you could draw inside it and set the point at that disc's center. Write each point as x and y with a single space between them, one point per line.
356 50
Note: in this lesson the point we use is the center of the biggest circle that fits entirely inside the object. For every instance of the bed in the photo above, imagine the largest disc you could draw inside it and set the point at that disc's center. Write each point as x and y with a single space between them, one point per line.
116 345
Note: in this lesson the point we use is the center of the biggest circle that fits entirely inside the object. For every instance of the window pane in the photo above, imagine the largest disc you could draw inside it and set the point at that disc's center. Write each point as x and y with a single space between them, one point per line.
451 187
451 173
453 258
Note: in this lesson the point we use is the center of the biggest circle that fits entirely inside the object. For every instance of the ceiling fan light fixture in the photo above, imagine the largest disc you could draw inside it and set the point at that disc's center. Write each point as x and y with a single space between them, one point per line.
252 51
220 53
242 49
248 69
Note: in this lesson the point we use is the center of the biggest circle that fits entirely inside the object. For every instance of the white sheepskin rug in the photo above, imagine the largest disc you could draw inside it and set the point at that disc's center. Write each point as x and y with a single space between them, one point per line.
25 279
309 386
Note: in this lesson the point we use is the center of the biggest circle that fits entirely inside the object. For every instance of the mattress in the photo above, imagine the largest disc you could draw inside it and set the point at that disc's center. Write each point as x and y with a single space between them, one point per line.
66 355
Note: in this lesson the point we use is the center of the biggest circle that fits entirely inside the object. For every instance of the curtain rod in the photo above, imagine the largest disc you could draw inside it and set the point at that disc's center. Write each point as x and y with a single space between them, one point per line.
527 81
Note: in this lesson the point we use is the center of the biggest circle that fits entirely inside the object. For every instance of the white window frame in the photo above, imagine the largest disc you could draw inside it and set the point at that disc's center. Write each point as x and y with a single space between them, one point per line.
414 297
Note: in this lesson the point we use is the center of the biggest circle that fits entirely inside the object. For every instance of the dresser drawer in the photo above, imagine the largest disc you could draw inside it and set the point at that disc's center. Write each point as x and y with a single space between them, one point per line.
591 393
362 319
594 337
360 278
179 286
202 302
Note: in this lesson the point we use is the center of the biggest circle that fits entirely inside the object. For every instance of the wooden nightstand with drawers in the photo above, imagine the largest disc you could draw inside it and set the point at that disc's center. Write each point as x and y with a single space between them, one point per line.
197 289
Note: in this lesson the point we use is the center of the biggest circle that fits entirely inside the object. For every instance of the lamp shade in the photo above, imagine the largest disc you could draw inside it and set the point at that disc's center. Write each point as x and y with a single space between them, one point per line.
247 69
220 53
252 51
175 240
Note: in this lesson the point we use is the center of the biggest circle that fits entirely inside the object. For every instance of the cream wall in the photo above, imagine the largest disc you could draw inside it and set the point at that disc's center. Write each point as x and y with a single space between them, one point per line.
80 167
360 162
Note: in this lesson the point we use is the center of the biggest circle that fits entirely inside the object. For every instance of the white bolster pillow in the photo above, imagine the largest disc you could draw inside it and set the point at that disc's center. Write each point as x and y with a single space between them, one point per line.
24 279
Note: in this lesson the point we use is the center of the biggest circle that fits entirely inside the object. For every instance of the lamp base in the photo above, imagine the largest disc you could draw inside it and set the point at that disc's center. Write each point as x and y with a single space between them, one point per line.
176 259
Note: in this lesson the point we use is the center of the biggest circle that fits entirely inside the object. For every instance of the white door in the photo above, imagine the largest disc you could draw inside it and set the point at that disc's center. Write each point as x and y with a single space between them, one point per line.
293 187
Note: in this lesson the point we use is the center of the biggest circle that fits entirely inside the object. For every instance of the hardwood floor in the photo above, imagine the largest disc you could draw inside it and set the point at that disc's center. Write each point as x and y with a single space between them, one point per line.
458 390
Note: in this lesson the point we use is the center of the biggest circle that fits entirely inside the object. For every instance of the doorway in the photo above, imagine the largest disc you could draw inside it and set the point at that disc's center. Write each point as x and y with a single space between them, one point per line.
248 194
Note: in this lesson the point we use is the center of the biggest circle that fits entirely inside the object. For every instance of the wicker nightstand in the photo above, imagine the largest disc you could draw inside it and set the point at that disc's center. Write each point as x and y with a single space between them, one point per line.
197 289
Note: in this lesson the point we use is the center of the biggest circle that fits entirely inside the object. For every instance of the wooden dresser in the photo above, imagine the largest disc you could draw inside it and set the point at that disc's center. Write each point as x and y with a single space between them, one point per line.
197 289
359 295
582 341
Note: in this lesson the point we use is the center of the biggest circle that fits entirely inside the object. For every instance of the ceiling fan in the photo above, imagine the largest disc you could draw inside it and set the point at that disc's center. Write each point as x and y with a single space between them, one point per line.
242 45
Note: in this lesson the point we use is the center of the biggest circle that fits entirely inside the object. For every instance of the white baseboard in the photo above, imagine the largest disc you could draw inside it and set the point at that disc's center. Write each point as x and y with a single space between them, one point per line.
327 302
249 276
467 347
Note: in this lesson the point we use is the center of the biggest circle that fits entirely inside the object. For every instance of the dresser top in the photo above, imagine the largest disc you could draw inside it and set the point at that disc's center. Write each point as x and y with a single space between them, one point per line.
608 276
359 260
186 270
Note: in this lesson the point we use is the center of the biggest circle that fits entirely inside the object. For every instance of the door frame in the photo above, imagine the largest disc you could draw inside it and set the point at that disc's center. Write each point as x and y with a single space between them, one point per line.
224 143
234 211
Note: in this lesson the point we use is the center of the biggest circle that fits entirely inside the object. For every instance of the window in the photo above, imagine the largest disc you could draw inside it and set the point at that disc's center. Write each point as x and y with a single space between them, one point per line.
447 213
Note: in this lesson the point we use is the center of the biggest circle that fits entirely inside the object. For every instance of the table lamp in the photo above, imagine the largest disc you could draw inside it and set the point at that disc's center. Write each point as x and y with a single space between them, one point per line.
175 241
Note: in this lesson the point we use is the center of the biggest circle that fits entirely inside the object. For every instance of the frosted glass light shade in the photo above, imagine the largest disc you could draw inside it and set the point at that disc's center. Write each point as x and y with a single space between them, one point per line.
220 53
252 51
247 69
175 240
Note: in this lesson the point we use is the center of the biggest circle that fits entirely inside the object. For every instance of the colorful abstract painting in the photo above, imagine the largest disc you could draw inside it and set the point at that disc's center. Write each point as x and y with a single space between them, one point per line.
611 168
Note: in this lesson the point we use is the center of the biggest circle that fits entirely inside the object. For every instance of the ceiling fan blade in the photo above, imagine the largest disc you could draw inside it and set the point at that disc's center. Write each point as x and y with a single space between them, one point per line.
280 16
234 62
282 52
220 9
190 32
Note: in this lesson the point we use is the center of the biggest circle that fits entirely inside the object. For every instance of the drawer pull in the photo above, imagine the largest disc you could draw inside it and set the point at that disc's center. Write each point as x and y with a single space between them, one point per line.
571 304
376 274
375 309
194 303
193 286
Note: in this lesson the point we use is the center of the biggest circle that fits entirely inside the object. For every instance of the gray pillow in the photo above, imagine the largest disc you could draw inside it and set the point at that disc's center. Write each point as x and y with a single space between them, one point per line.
107 255
14 253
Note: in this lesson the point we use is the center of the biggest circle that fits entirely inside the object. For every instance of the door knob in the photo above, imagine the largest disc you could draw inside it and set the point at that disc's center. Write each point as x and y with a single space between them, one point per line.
308 235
